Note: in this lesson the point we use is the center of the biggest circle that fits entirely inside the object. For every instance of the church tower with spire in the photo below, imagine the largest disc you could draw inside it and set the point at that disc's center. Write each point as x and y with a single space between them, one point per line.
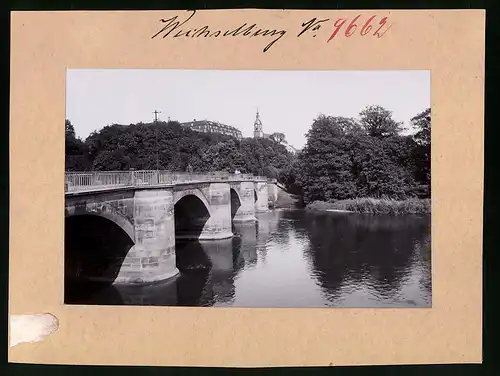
257 127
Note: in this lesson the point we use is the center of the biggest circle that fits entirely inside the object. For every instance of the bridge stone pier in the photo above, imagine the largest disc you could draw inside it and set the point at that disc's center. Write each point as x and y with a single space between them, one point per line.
272 190
244 201
262 203
153 209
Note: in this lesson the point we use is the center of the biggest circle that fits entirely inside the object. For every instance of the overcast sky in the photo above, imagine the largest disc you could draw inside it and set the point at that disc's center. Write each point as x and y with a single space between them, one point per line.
288 101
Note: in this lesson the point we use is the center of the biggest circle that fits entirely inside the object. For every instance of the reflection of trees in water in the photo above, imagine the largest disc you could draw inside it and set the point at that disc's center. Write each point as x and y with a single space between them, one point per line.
423 260
418 281
355 249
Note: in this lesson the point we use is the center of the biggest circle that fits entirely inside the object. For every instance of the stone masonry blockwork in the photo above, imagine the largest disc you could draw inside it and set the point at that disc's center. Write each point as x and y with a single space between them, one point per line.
147 216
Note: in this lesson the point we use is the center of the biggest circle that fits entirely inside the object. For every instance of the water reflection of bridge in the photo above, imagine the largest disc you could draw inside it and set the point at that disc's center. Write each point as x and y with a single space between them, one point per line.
340 260
208 271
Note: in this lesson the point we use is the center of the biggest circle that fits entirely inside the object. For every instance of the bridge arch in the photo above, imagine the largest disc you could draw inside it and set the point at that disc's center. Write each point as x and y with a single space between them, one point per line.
236 200
191 213
179 195
96 245
112 216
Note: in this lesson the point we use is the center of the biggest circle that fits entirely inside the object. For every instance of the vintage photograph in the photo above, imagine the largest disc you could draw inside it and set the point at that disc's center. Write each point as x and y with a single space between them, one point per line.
257 189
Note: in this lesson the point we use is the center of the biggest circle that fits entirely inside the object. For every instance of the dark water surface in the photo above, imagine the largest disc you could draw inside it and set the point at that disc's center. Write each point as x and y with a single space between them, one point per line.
295 258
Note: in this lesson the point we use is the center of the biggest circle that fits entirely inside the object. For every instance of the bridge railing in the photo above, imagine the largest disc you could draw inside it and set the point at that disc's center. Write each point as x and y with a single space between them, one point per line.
79 181
97 180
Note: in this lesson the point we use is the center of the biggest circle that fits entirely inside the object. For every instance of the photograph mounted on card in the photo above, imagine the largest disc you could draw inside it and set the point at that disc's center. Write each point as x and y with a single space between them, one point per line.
282 184
298 204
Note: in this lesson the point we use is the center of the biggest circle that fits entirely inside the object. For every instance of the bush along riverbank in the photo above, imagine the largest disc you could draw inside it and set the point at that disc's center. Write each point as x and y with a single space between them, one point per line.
375 206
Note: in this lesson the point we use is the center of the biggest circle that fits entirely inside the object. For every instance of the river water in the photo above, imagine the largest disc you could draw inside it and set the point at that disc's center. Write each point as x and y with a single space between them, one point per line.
295 259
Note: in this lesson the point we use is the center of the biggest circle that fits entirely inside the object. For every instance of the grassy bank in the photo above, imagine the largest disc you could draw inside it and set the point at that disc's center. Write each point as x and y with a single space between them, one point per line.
376 206
286 200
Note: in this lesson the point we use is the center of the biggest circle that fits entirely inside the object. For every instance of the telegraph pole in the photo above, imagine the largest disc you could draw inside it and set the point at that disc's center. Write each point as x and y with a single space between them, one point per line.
156 115
156 135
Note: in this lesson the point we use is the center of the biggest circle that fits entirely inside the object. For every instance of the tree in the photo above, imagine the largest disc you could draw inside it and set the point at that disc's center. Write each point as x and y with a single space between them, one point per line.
70 130
326 161
378 171
139 145
422 122
223 156
75 150
377 122
288 176
422 152
344 159
277 137
271 172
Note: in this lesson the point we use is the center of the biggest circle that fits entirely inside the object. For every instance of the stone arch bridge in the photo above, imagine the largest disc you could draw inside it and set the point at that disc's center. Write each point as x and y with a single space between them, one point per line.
153 208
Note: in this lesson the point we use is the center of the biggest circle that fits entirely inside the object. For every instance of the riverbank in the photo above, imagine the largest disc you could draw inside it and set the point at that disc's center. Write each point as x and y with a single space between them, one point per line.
375 206
286 200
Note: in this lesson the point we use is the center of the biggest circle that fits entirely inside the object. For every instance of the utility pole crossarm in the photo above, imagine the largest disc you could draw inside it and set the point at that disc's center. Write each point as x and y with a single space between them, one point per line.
156 115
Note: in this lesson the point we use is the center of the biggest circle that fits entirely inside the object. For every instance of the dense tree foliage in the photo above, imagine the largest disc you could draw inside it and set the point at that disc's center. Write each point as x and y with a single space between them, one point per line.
343 158
169 146
77 157
422 151
377 122
277 137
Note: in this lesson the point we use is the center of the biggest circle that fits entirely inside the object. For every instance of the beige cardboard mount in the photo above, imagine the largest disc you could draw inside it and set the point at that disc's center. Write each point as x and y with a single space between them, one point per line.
449 43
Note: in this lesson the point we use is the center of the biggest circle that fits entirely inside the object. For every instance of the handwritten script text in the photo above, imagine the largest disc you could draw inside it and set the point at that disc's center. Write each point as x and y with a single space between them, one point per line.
371 26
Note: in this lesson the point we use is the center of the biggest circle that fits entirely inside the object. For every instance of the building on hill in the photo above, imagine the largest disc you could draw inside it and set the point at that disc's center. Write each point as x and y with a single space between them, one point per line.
258 132
206 126
257 128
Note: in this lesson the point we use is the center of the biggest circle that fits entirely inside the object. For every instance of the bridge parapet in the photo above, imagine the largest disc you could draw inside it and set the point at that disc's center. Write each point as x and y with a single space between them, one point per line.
102 180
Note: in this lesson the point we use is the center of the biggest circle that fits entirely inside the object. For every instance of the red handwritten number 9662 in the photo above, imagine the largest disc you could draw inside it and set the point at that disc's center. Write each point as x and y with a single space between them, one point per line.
352 27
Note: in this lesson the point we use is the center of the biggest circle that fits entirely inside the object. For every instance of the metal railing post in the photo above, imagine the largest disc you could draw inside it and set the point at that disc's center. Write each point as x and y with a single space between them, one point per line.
132 178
